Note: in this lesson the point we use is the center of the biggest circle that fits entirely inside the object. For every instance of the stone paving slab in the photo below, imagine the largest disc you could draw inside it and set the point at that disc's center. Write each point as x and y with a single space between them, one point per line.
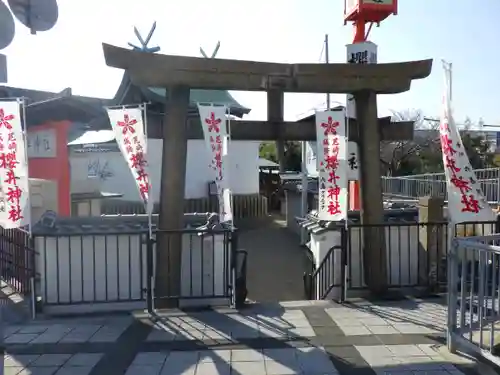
78 364
304 361
216 326
402 317
303 338
68 331
407 360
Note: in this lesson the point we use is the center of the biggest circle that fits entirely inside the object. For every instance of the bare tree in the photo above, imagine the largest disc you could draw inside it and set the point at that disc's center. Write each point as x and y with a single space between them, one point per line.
394 154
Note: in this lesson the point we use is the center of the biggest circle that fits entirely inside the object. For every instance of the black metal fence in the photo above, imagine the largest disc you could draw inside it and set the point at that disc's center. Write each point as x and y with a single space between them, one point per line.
135 269
92 268
415 257
415 254
17 260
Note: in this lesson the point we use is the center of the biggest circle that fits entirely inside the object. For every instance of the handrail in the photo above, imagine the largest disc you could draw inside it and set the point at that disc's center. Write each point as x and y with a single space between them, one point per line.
321 267
327 256
319 272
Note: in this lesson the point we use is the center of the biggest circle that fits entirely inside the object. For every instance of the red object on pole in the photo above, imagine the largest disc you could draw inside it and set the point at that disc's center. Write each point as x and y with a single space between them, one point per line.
354 196
359 32
368 10
361 12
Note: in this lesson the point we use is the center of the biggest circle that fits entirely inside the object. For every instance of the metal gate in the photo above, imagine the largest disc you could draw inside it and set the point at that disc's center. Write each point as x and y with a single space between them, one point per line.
208 271
17 260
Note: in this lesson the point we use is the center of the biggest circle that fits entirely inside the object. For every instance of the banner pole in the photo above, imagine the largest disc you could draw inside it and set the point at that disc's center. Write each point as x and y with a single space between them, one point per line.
231 197
127 106
24 125
2 339
149 203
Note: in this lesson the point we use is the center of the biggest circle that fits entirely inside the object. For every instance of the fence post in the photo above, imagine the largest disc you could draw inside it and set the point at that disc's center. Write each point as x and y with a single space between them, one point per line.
233 254
344 234
150 275
430 249
452 273
32 280
498 186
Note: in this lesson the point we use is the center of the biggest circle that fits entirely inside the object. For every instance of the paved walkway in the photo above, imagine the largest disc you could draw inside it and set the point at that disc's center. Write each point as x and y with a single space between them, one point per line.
276 263
304 338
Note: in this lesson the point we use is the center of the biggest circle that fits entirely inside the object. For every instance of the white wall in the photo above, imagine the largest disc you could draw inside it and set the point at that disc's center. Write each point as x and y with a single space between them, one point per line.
115 177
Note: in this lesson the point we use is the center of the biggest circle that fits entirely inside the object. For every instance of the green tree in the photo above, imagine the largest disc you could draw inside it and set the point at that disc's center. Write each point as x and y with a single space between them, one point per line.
478 149
267 150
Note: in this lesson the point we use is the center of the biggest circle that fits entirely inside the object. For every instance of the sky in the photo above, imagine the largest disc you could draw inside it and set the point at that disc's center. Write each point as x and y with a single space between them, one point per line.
286 31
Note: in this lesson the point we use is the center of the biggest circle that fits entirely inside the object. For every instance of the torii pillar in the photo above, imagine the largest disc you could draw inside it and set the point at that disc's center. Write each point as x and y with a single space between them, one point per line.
361 12
275 114
173 186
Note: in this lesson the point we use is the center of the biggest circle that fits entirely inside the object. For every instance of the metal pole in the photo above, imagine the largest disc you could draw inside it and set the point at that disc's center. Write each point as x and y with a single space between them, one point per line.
304 192
2 340
305 184
150 202
141 105
448 71
451 81
327 61
22 103
228 137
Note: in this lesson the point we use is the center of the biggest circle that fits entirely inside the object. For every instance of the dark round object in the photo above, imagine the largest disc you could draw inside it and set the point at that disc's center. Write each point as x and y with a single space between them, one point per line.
37 15
7 26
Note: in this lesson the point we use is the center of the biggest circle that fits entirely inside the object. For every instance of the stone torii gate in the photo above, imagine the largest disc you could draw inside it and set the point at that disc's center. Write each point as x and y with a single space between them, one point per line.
181 73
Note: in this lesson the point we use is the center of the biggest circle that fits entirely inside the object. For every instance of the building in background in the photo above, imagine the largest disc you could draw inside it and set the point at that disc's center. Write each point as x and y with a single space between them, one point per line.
71 143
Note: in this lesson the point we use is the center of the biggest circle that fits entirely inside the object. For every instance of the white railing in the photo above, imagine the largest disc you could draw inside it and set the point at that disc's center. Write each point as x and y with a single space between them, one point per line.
434 184
474 296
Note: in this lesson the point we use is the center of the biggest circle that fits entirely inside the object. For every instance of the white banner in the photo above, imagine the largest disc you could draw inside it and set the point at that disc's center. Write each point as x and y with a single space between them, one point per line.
332 157
352 160
359 53
14 183
466 202
213 120
128 126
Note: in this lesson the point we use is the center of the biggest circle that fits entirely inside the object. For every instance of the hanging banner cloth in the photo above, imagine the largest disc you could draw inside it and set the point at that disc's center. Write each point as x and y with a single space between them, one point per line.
466 202
332 162
14 183
213 119
352 160
128 126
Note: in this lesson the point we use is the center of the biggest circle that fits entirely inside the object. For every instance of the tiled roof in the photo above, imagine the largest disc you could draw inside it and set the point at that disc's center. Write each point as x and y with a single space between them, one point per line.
50 224
316 226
